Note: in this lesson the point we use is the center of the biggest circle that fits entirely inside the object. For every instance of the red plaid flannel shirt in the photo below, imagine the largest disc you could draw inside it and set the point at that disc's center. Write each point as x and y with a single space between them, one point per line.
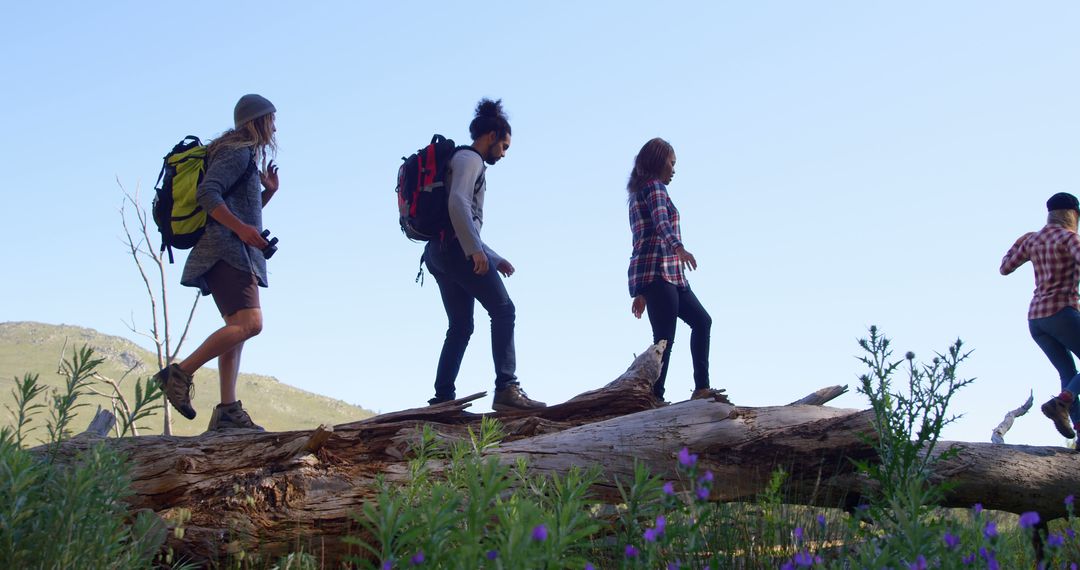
1055 253
654 223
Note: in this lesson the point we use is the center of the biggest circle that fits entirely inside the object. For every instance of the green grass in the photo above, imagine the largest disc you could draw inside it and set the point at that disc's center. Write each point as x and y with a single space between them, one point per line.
27 347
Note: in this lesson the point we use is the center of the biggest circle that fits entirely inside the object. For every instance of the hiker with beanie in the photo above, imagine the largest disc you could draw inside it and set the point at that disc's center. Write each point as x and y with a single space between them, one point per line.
228 260
657 282
467 270
1054 313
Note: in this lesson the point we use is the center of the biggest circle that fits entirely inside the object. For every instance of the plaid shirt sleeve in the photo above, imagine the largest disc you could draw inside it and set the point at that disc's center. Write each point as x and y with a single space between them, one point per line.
656 198
1072 245
1016 256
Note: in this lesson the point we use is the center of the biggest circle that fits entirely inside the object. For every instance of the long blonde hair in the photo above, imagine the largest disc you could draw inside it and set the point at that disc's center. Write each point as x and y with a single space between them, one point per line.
257 133
1064 218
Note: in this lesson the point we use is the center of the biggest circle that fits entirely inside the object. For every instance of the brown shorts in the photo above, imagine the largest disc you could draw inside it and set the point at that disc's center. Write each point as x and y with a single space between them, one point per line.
232 289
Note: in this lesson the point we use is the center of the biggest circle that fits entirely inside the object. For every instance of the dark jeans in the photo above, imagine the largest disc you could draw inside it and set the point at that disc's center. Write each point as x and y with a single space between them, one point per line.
665 304
1059 337
460 289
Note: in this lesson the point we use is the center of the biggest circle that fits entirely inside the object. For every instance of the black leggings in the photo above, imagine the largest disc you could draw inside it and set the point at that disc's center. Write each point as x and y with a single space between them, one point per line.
665 304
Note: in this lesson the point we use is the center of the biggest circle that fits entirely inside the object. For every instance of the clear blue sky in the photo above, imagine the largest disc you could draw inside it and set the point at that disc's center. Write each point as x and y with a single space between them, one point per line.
841 164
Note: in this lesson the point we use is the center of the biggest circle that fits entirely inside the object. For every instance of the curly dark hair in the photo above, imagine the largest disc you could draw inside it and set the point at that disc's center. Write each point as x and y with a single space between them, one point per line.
489 117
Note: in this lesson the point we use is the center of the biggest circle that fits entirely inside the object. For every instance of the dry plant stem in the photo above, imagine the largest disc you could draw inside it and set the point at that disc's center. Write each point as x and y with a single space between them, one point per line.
161 330
998 435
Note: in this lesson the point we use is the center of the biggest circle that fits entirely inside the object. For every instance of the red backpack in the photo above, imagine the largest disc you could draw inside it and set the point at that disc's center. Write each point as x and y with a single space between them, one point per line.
421 190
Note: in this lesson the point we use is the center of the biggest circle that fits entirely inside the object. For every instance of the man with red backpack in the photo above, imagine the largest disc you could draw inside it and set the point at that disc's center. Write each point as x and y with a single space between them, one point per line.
467 270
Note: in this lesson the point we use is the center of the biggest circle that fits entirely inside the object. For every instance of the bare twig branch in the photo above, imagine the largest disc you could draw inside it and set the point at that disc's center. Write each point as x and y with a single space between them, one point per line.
998 435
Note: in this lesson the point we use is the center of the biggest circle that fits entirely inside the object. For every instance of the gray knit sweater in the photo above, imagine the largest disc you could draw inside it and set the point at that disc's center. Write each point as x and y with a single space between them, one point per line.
219 243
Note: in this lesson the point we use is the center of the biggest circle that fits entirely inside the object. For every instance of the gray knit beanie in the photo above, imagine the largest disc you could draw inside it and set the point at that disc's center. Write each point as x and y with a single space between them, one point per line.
251 107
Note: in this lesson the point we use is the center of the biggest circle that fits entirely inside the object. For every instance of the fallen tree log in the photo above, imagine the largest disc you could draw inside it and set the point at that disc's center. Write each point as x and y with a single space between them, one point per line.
274 492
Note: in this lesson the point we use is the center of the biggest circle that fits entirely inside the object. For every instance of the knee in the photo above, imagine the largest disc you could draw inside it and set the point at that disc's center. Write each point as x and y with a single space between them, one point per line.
504 312
705 323
462 330
251 326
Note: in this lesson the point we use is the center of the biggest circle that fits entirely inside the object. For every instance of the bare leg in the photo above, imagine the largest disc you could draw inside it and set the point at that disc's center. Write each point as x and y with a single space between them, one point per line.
226 344
228 371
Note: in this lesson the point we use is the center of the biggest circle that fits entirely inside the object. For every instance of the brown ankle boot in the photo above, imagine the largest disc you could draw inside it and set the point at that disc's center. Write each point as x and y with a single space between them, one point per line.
231 416
178 387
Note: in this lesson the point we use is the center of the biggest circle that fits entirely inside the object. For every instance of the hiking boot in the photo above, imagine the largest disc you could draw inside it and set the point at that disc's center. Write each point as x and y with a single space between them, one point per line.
513 398
439 399
1058 411
178 387
231 416
710 393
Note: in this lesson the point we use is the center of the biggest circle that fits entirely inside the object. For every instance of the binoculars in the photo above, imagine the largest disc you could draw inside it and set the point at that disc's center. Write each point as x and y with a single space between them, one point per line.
271 246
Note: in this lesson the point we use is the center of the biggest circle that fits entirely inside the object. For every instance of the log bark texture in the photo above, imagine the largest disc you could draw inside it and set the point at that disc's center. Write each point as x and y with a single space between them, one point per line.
274 492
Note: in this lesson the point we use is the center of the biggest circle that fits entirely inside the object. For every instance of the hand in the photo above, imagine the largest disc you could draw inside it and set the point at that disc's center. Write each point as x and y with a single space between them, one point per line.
250 235
480 263
638 306
269 177
686 259
506 268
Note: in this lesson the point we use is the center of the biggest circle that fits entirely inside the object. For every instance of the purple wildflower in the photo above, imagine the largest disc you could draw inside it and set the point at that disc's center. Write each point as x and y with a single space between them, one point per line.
703 493
1029 519
978 508
661 524
1070 533
669 488
589 566
417 558
706 478
539 534
991 561
630 551
919 564
687 459
969 560
387 565
1069 501
803 559
650 535
821 521
492 554
991 529
1055 540
798 534
951 541
673 565
789 565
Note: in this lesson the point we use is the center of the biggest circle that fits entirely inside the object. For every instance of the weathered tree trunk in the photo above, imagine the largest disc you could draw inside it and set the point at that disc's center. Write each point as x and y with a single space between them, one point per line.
273 492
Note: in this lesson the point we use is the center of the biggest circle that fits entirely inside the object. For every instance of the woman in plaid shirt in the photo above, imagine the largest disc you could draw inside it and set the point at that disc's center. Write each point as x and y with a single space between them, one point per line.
657 264
1054 313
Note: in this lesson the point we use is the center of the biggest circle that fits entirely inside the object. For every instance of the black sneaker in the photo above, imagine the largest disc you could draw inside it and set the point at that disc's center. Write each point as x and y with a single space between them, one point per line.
178 387
1058 411
513 398
231 416
439 400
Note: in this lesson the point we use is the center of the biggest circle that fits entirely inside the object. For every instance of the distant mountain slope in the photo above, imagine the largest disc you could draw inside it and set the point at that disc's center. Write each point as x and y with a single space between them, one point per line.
36 348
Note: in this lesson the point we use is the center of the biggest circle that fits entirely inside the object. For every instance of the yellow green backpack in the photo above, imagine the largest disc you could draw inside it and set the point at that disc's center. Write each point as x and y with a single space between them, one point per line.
179 218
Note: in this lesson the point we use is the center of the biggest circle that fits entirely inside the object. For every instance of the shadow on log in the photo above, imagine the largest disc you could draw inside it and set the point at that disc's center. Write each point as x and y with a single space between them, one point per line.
275 492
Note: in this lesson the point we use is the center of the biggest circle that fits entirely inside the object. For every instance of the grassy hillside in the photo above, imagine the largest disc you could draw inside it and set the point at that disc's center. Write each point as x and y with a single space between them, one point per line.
36 348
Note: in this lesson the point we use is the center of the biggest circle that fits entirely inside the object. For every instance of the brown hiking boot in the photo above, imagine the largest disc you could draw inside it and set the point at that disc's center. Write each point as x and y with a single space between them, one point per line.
178 387
231 416
710 393
513 398
1058 411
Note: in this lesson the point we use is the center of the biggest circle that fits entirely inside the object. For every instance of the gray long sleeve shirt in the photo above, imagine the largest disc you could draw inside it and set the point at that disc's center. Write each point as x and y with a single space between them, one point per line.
466 201
219 243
